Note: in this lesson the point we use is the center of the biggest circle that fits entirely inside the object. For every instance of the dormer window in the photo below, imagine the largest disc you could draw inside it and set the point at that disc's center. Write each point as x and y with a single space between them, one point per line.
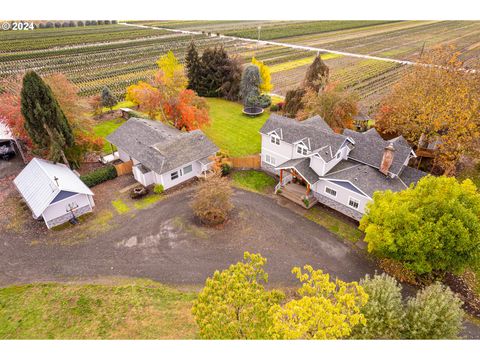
302 149
274 139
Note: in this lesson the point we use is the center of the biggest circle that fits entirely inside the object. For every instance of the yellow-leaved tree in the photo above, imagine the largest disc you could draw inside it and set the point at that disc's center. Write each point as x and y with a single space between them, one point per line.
326 309
265 76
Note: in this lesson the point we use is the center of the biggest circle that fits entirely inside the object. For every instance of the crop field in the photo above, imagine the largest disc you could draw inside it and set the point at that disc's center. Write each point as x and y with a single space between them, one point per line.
118 55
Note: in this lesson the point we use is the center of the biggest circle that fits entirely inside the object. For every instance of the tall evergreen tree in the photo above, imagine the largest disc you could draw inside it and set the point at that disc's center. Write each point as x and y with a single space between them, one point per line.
45 121
250 85
219 75
193 66
108 99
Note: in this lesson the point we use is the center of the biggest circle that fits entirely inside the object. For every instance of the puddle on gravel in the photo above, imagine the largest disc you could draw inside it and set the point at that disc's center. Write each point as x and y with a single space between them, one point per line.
167 232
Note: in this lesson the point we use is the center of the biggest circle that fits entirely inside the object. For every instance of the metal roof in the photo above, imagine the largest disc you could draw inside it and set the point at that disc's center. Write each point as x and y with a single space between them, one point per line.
41 181
5 133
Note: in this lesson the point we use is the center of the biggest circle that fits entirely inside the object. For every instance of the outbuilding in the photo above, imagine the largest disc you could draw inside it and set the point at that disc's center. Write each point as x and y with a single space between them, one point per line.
53 192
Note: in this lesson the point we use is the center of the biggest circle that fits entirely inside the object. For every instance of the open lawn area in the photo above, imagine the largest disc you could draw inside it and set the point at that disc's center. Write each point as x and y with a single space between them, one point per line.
254 181
119 309
105 128
342 228
231 130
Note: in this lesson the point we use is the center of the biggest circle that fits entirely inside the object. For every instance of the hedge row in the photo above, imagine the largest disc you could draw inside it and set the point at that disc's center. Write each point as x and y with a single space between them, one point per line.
100 175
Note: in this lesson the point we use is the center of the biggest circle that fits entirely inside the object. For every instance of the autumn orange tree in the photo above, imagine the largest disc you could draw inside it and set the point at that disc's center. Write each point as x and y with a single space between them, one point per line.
438 101
76 109
166 97
336 105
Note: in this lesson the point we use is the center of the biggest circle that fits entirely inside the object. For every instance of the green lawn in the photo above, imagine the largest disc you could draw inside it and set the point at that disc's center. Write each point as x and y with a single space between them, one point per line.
233 131
105 128
128 309
121 104
254 181
344 229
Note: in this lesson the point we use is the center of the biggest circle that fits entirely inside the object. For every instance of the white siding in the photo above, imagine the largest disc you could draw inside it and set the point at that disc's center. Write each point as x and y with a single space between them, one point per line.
318 165
167 182
343 194
144 179
123 155
281 153
60 208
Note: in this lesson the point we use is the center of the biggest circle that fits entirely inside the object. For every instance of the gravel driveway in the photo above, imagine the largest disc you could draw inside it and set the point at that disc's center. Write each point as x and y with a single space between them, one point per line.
164 243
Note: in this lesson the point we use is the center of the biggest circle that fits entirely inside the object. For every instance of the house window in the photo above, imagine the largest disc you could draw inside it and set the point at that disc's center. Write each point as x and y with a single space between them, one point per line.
302 149
187 169
353 203
330 191
274 139
174 175
269 159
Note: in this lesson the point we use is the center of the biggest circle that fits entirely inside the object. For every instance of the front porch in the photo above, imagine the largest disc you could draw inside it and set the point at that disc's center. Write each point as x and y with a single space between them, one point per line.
295 188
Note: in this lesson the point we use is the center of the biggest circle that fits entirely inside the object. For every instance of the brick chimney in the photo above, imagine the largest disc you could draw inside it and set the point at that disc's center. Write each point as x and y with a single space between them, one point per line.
387 159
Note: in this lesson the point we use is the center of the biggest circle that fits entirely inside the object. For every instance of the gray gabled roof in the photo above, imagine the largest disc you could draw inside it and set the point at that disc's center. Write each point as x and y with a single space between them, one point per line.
315 129
411 175
366 178
136 134
302 166
369 148
186 148
161 147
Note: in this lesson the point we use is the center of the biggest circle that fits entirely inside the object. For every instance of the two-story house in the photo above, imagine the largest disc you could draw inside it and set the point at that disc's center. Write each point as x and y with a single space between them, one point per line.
341 171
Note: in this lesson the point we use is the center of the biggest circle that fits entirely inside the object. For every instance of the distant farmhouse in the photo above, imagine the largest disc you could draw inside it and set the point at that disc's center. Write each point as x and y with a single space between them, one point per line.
161 154
341 171
53 192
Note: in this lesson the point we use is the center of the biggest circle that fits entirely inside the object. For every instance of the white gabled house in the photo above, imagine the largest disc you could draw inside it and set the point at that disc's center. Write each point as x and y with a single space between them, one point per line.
342 171
161 154
53 192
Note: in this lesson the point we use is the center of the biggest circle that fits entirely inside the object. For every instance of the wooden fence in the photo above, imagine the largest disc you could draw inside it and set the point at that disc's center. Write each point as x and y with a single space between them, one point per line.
124 168
246 162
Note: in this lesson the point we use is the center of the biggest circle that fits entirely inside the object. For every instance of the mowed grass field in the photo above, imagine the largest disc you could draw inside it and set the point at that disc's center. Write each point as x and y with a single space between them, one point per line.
104 128
231 130
120 309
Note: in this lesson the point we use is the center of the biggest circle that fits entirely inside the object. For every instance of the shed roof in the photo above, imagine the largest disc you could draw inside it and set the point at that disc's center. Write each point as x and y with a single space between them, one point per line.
41 181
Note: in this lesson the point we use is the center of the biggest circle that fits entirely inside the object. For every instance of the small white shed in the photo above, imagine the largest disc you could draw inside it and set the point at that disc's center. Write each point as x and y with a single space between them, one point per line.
53 192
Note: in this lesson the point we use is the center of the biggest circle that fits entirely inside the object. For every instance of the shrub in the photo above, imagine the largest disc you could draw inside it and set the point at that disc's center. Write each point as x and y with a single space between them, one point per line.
280 105
58 24
274 107
49 25
264 101
93 22
383 311
106 22
80 23
87 23
99 175
158 189
435 313
100 22
72 24
66 24
114 21
226 169
212 202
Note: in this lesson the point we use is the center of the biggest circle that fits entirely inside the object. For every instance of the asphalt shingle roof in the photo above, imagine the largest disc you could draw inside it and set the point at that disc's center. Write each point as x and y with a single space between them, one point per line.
411 175
160 147
367 179
369 148
315 129
302 166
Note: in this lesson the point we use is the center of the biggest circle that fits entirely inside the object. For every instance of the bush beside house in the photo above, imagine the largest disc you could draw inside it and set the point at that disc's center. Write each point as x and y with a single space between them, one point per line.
99 175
